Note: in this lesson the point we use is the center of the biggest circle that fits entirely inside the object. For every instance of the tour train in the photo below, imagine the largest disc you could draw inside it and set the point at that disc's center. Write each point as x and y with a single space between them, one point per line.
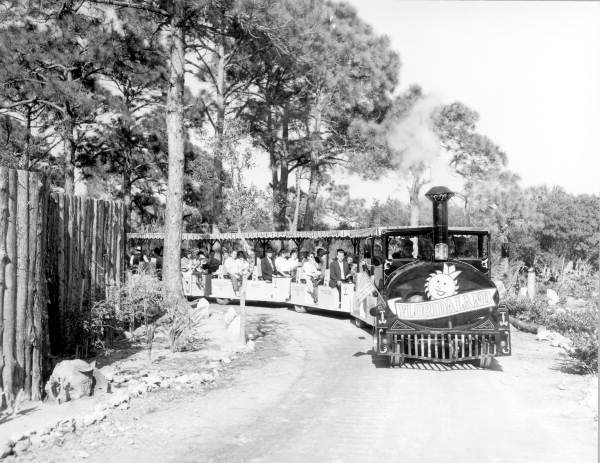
430 295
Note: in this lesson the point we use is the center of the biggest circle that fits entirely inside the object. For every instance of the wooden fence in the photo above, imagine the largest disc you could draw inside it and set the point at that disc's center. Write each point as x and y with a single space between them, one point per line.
58 254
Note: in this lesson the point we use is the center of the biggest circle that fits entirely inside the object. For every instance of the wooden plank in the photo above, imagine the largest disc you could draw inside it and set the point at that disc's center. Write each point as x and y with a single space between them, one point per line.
100 252
22 273
39 304
30 334
93 250
120 242
10 294
80 283
3 253
61 270
106 247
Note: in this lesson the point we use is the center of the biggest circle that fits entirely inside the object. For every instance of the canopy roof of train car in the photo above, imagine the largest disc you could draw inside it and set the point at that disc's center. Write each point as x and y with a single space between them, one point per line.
311 234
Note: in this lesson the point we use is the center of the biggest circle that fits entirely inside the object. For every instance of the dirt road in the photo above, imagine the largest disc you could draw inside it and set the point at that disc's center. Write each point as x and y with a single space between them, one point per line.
312 392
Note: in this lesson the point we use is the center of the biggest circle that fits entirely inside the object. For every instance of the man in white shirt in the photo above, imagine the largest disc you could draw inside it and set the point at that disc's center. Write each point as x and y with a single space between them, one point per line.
281 264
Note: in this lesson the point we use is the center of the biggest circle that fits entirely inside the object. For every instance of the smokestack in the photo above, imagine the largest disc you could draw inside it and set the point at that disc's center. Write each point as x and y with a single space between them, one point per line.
439 196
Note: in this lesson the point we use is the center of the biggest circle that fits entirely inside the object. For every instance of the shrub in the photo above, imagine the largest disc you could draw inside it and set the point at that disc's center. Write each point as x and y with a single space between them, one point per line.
581 326
137 302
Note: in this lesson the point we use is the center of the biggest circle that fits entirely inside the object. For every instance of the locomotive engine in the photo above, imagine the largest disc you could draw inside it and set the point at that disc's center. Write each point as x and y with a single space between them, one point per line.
439 308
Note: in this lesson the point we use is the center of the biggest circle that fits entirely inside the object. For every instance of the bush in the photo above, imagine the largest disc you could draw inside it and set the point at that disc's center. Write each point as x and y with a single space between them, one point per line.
581 326
135 303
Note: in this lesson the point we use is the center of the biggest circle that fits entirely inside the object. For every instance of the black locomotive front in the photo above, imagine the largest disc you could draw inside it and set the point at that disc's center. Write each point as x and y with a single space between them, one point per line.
441 309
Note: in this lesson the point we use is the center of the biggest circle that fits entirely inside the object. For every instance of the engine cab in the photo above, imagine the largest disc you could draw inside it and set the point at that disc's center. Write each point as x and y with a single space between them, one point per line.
439 303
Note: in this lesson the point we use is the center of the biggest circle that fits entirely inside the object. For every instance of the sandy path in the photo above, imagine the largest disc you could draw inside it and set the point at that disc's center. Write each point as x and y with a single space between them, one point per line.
314 393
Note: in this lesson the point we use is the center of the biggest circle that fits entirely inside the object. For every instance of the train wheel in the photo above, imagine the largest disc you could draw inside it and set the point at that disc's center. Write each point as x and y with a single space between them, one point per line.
223 301
485 361
300 309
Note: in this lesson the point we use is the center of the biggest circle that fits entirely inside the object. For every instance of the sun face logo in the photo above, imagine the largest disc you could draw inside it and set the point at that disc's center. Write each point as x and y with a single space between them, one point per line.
442 283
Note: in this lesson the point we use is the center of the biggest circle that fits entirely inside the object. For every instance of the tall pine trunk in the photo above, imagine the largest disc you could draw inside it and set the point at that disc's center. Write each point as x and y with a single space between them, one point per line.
295 221
279 175
126 189
175 137
220 134
69 147
313 186
311 199
279 181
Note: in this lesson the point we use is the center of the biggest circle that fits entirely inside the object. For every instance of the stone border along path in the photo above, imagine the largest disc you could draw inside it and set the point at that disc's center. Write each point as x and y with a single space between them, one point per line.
126 387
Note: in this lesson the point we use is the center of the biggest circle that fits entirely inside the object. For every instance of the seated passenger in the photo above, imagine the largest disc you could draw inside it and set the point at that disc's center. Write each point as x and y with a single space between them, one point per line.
407 250
312 275
461 249
339 271
228 263
266 265
238 269
281 264
353 268
211 265
293 263
185 262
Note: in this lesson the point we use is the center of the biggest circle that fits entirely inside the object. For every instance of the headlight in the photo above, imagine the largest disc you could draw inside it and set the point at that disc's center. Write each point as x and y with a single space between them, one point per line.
441 251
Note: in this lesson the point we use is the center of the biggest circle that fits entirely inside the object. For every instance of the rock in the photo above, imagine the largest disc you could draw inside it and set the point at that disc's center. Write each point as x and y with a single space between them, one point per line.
250 346
207 378
124 406
136 388
83 454
552 297
100 382
65 426
109 372
153 379
89 420
559 340
22 446
570 302
37 440
118 398
229 316
226 360
70 379
556 339
121 378
6 449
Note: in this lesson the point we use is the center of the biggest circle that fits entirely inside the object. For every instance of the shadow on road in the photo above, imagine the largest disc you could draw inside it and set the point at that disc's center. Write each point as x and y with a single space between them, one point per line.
381 361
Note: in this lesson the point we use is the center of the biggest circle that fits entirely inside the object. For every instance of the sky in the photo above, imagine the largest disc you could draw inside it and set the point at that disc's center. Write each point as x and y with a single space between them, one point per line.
530 69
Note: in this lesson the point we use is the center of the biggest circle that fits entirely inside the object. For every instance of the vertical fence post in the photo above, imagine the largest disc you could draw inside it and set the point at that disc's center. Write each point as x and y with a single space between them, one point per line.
10 294
22 274
531 283
3 255
243 310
